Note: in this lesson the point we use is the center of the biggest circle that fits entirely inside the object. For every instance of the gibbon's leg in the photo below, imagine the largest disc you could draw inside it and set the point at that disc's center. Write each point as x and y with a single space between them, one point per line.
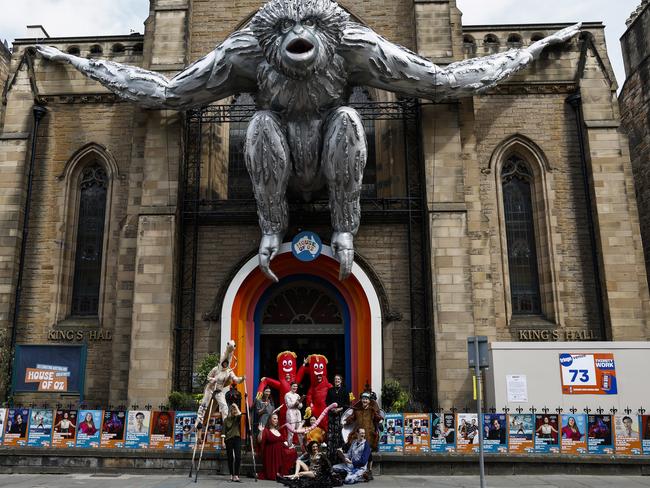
343 160
269 165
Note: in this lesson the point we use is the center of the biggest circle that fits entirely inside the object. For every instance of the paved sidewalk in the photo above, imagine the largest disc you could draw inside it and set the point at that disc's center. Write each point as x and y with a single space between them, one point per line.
178 481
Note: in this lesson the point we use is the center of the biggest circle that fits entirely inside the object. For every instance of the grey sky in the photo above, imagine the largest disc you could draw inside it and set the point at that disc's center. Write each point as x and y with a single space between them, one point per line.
102 17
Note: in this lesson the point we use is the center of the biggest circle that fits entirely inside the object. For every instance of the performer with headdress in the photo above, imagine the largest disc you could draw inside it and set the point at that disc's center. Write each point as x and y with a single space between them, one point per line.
366 415
319 385
219 379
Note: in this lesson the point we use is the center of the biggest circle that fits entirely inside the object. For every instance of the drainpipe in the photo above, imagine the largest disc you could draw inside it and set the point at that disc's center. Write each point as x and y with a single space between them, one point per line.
38 112
575 101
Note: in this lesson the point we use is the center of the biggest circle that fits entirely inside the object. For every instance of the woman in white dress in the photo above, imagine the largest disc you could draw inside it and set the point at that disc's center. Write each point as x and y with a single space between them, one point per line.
294 417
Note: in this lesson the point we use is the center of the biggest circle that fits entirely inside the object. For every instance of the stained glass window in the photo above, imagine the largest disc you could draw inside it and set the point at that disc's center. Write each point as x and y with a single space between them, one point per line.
516 179
90 241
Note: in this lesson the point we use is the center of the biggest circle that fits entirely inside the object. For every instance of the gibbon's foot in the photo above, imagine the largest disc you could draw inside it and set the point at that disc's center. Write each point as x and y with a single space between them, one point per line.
269 247
343 249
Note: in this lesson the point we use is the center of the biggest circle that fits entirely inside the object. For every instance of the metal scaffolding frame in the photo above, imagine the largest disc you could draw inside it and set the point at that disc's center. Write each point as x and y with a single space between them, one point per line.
409 210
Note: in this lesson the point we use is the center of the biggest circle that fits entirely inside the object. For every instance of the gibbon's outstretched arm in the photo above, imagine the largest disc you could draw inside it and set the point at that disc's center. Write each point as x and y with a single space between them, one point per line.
374 61
230 68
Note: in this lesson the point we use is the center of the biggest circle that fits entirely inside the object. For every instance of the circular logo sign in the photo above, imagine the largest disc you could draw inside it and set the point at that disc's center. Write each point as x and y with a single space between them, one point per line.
566 360
306 246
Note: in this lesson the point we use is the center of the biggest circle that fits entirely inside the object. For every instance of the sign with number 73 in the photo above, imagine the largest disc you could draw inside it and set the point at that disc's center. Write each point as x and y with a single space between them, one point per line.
588 374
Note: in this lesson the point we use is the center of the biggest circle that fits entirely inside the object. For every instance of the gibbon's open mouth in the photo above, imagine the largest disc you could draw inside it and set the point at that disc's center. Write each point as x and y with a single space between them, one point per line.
300 47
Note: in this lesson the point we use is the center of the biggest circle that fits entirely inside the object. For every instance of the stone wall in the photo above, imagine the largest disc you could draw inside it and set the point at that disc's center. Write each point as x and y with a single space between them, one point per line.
635 112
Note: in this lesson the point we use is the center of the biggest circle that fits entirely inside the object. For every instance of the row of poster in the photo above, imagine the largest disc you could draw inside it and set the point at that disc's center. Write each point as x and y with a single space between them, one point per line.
136 429
516 433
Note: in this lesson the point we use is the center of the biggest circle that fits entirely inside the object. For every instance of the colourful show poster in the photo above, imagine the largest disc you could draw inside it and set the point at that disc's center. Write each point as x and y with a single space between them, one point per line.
162 430
40 428
588 374
214 430
16 427
600 436
443 432
113 429
65 428
574 434
89 428
137 429
185 434
417 437
3 416
547 433
520 433
468 431
391 436
495 436
627 439
645 434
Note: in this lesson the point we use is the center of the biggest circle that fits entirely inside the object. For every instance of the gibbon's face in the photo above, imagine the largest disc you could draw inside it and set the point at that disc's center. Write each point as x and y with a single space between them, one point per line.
299 37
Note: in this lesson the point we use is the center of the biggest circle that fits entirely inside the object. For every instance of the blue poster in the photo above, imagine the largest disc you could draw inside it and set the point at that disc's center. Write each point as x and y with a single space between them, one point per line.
137 429
49 368
520 433
16 427
574 433
547 434
443 432
40 428
391 436
495 436
184 433
600 437
89 428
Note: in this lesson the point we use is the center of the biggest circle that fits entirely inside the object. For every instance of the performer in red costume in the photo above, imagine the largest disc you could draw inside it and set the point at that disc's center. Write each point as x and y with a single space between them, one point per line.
318 386
287 365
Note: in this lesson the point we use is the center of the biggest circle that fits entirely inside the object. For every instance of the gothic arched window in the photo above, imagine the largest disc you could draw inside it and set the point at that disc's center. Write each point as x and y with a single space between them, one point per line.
516 180
90 241
361 96
239 183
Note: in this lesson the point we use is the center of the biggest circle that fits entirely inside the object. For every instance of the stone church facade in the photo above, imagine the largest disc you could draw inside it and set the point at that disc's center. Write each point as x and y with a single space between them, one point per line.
511 215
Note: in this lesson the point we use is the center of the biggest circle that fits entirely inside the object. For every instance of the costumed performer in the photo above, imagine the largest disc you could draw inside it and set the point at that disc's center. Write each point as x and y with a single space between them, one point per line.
312 471
287 374
219 379
263 409
293 403
355 460
276 455
315 433
366 415
339 395
319 385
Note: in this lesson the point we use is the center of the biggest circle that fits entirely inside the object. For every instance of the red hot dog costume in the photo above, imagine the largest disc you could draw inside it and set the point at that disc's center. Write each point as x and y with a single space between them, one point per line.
318 386
287 374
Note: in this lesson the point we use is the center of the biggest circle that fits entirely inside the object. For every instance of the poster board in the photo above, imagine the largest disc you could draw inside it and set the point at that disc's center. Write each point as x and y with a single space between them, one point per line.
574 434
645 434
113 429
64 429
588 374
89 424
214 431
417 437
468 430
49 368
137 429
40 428
547 433
185 434
16 427
495 434
600 434
627 438
3 417
443 432
162 430
521 427
391 435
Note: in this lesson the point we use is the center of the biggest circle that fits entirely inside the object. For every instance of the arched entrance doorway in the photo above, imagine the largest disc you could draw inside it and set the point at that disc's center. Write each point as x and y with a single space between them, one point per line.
251 297
307 315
